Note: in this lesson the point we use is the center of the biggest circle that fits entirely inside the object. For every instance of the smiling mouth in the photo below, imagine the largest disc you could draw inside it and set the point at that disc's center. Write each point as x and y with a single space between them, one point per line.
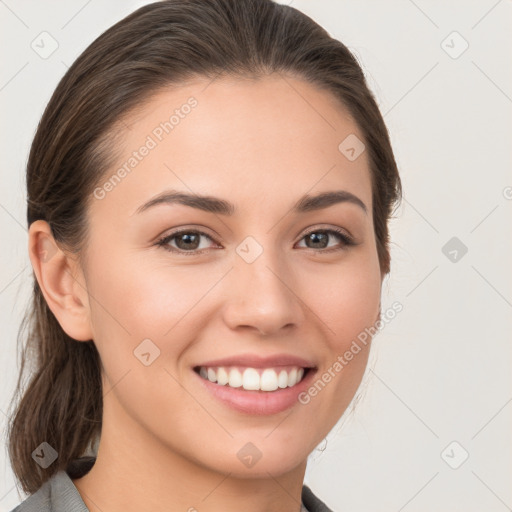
254 379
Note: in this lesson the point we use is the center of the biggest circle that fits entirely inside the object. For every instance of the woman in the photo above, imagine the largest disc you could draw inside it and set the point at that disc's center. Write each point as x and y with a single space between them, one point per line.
208 195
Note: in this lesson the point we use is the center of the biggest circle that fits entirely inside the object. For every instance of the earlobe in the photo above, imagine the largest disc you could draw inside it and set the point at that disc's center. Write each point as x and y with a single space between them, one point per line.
61 281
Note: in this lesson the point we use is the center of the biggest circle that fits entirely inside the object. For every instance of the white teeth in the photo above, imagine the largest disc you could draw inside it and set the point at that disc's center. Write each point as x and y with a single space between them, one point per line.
268 380
292 377
235 378
222 376
251 379
282 380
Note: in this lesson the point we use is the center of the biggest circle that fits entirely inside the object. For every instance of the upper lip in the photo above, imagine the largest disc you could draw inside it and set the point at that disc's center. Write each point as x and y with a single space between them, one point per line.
257 361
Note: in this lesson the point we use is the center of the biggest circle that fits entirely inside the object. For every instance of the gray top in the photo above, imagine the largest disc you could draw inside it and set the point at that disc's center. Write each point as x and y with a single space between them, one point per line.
59 494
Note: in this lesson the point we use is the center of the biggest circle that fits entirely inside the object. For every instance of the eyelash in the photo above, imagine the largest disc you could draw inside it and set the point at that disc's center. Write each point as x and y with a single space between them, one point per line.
343 236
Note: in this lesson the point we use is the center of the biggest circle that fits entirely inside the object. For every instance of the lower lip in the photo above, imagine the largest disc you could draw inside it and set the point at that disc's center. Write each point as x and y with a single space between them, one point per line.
258 402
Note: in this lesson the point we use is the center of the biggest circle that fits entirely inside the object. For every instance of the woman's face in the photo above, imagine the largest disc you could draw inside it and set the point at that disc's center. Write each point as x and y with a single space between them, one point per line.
257 277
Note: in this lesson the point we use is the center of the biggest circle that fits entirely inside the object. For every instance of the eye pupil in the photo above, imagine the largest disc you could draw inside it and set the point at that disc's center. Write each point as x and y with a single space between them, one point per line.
190 240
318 237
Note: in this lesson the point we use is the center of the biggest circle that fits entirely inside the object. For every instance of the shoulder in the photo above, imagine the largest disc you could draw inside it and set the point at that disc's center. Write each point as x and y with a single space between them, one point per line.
39 501
312 502
58 494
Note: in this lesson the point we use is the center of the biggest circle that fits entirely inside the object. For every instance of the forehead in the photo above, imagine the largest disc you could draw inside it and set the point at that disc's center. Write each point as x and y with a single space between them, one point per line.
252 140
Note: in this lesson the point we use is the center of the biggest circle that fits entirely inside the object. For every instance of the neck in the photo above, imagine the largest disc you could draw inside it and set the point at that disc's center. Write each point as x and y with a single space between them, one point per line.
135 471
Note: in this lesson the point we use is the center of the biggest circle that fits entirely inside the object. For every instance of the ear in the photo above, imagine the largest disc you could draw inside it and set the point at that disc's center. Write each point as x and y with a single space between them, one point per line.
61 280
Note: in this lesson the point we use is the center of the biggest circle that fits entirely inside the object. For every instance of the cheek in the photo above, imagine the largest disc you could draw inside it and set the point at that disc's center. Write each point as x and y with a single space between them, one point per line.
146 307
346 299
148 298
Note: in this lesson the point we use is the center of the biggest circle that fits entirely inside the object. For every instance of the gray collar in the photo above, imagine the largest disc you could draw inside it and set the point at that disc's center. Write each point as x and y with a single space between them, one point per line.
59 494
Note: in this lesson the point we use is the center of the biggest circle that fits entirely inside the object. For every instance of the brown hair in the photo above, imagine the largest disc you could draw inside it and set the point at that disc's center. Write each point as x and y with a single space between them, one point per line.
162 43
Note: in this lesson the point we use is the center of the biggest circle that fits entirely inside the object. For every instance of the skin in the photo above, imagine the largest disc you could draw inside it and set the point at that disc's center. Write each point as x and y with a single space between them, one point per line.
166 443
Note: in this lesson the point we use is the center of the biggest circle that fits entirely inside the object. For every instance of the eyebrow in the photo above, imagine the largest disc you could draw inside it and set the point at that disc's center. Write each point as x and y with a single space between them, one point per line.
221 206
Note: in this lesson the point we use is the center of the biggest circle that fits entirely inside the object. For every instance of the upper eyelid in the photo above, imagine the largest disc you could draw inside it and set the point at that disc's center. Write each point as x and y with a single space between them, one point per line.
203 231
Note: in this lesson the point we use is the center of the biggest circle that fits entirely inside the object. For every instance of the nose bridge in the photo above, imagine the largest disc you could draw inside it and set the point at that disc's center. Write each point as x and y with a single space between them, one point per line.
262 289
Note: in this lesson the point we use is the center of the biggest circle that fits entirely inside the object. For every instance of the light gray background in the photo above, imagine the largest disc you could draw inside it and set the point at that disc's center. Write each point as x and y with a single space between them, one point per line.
440 371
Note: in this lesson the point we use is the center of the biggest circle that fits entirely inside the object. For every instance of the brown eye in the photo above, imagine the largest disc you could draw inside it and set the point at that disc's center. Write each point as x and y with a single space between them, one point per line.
187 242
319 239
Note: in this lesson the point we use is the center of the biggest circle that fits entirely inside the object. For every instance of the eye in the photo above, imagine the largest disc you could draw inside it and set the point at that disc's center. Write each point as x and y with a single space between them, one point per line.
319 238
188 241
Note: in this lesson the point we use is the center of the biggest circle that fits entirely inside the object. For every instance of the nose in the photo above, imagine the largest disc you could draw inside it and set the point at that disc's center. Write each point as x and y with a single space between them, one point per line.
263 296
